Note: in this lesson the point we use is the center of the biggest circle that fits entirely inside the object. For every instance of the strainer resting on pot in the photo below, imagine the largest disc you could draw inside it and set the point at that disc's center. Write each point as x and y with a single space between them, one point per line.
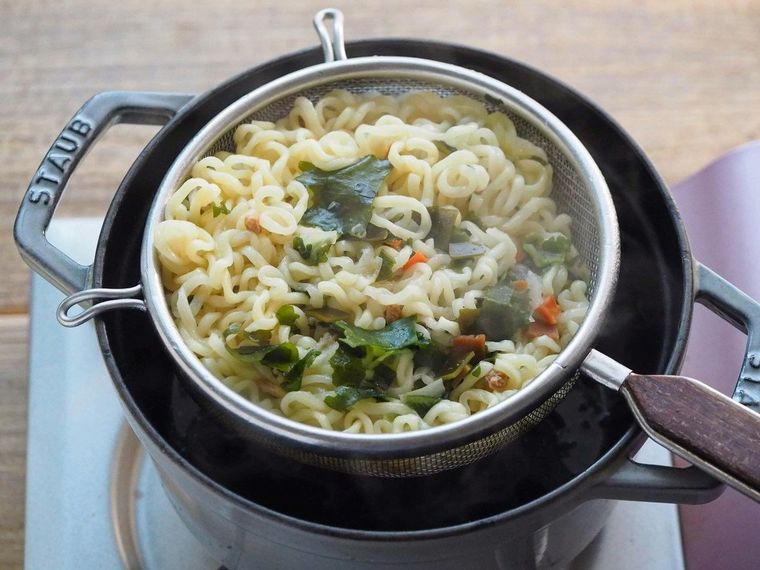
707 428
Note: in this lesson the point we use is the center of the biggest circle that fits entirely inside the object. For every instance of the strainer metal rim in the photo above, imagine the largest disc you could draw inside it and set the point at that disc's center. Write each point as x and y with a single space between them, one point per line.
297 435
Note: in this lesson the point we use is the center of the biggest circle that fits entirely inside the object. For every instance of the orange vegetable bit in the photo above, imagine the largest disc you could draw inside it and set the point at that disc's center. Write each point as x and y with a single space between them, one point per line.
520 284
252 223
548 311
495 381
395 244
393 313
476 343
536 329
520 255
416 258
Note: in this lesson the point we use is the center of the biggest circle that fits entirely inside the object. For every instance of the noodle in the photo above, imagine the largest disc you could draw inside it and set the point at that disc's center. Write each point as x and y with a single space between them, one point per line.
236 241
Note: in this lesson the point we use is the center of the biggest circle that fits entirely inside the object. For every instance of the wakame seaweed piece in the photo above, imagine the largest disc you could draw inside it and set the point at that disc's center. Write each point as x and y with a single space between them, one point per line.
286 315
258 337
342 199
504 311
294 375
545 251
458 235
280 356
445 363
326 314
249 353
556 243
420 404
312 252
383 376
375 233
467 318
386 268
456 364
466 250
219 209
395 336
442 220
431 356
475 220
358 367
349 366
347 396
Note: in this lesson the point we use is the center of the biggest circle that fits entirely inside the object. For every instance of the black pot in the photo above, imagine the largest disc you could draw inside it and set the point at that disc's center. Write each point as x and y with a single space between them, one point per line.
536 503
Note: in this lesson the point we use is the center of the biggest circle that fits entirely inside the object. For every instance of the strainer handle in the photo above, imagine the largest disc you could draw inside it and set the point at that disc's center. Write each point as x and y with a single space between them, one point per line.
329 26
47 186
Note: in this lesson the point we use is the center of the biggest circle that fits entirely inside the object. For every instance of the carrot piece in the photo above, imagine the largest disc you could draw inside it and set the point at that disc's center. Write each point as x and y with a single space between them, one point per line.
548 311
520 284
471 343
395 243
417 257
536 329
520 255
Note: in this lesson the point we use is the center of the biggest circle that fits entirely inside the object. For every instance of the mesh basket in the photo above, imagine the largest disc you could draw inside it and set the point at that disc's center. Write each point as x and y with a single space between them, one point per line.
578 189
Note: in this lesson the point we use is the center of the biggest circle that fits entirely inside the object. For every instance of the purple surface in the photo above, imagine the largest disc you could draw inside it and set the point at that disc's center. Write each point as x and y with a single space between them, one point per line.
720 206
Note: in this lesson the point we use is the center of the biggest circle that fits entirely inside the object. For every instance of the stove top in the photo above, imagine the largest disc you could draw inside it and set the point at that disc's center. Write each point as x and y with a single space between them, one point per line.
93 501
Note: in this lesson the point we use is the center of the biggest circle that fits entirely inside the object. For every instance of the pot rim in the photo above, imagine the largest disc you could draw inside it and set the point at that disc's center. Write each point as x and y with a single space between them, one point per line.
577 487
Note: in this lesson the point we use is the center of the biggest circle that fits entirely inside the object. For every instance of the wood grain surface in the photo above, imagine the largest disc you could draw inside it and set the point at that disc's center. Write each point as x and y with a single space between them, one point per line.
705 423
683 77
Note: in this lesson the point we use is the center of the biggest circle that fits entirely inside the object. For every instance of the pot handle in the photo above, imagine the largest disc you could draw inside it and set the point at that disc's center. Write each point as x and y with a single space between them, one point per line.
634 481
743 312
45 190
691 419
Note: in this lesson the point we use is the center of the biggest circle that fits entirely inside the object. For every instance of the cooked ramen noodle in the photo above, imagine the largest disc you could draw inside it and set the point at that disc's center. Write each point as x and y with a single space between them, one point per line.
373 264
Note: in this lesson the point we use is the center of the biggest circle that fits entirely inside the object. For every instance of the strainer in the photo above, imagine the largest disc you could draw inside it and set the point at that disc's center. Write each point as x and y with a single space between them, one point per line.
579 190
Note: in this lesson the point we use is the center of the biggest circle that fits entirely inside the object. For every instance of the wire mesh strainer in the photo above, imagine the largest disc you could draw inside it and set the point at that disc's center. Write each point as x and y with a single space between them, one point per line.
579 190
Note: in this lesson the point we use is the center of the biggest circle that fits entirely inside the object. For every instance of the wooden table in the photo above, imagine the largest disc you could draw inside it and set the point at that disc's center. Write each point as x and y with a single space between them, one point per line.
682 76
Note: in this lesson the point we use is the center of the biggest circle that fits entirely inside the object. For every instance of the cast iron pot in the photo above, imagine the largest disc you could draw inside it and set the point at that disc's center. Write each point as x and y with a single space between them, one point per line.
536 503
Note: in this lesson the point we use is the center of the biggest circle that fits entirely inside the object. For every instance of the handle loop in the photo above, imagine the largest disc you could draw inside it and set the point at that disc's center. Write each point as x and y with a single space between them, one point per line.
119 299
333 45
